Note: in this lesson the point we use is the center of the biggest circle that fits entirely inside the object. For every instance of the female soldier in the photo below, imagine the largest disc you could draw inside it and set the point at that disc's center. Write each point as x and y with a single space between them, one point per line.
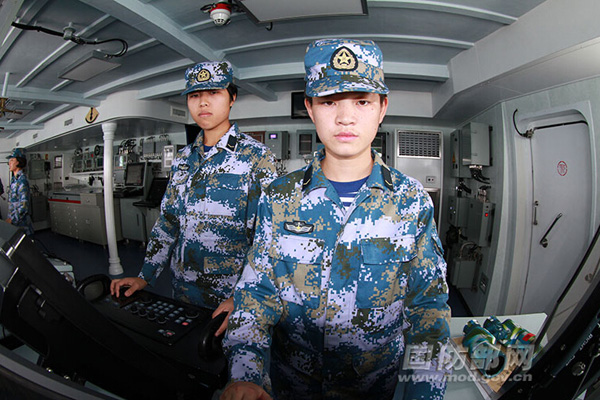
207 218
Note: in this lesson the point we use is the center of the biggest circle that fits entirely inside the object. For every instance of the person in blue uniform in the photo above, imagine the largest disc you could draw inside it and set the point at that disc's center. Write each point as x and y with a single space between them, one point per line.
344 288
207 219
19 195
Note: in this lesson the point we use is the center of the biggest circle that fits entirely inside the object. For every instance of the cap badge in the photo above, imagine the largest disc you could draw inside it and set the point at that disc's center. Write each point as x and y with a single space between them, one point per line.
344 59
203 75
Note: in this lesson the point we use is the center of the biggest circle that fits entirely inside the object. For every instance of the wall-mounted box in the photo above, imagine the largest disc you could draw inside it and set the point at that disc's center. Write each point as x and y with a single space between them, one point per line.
458 211
479 223
463 273
475 144
278 142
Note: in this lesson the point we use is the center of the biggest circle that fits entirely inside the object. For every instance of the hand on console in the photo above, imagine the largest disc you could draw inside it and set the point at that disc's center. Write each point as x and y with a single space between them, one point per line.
209 344
224 307
126 286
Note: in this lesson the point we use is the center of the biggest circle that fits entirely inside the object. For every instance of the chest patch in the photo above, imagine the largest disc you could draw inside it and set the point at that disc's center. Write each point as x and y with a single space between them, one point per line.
298 227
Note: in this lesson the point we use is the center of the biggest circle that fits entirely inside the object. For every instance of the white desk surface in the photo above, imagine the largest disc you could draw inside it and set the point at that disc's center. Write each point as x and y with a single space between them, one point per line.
467 390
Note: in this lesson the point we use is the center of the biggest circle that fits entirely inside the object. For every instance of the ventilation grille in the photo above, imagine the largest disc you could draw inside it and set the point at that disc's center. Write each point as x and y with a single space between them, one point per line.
419 144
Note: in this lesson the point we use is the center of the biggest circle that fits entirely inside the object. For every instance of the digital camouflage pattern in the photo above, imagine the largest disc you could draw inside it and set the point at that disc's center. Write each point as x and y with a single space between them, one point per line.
19 207
343 291
343 65
207 218
208 75
17 153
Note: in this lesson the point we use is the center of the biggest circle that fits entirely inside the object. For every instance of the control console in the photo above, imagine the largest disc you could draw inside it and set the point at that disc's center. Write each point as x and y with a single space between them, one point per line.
177 331
154 316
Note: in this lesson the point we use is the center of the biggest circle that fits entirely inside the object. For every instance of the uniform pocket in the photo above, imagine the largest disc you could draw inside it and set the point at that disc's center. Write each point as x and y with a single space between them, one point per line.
180 177
297 266
226 195
383 279
223 255
223 265
382 360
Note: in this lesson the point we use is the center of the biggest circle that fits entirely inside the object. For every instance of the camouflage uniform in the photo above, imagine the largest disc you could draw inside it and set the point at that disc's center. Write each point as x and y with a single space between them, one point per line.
343 291
332 298
19 207
207 218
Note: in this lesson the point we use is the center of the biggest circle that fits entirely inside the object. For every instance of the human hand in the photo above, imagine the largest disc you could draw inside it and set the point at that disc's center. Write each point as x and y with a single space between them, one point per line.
244 391
134 285
226 306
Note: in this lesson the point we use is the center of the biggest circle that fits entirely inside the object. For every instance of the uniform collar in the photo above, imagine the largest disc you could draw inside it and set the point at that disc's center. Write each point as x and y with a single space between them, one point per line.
314 177
227 142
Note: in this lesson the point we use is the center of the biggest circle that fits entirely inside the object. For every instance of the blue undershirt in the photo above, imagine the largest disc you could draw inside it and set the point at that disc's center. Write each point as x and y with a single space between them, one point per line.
348 190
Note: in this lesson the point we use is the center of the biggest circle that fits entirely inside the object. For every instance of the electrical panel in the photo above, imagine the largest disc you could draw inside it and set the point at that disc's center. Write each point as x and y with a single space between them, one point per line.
380 146
159 145
169 152
458 169
36 169
470 146
479 222
307 142
463 272
278 142
475 144
390 154
147 146
458 211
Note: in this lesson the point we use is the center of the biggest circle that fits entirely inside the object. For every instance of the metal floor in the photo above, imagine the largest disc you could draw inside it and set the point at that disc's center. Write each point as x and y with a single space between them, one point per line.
89 258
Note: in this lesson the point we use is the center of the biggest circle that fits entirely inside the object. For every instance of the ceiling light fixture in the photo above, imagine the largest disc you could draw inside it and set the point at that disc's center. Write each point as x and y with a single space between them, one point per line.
88 66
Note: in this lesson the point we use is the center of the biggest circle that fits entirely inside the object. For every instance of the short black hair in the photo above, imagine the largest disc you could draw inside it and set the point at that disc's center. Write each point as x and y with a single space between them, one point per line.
232 90
21 162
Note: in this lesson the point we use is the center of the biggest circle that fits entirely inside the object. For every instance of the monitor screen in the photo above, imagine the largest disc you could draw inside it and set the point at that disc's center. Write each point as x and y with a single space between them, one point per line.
134 174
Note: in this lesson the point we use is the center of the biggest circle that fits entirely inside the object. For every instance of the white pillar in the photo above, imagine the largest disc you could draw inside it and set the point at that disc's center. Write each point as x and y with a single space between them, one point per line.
114 263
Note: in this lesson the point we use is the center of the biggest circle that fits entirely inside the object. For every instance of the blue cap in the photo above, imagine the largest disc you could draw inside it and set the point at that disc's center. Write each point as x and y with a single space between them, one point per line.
17 153
343 65
208 75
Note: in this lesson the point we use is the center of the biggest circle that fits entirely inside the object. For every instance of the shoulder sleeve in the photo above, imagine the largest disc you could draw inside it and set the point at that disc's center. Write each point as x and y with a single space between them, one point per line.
163 237
262 175
257 308
22 205
426 304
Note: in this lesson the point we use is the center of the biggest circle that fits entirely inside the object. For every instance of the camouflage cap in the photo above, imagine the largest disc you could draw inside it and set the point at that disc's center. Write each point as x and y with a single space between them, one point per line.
17 153
208 75
343 65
